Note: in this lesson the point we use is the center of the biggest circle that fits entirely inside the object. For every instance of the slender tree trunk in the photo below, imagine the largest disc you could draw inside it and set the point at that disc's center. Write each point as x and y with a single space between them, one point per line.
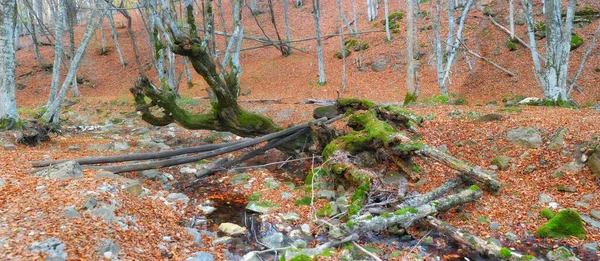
342 46
52 113
288 34
58 50
317 16
439 56
451 26
354 17
411 91
103 40
111 22
36 50
8 104
387 21
511 16
71 12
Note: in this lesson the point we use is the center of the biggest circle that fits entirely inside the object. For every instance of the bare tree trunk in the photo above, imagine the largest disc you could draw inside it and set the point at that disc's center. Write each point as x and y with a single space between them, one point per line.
411 91
58 50
451 26
342 46
354 17
387 21
317 16
511 16
439 56
32 34
288 34
111 22
8 104
52 113
71 12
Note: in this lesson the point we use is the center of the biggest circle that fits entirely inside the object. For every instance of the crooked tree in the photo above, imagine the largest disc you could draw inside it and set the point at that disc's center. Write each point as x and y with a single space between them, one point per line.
223 84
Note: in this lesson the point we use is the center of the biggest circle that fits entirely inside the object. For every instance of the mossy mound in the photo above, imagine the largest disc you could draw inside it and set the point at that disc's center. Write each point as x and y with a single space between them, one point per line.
576 41
565 224
547 213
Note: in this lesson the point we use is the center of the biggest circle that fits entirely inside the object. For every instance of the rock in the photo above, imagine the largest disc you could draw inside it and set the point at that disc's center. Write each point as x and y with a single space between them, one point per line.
326 194
366 159
106 212
70 212
65 170
558 140
587 197
107 245
342 204
207 210
394 177
9 146
545 198
286 195
274 240
582 204
151 174
271 183
591 248
290 216
299 243
561 253
196 235
53 247
524 137
557 174
305 228
178 197
74 148
529 169
455 113
591 222
246 92
553 205
502 162
489 117
379 65
494 226
121 146
239 179
325 111
259 207
310 252
232 229
201 256
188 170
134 188
40 188
593 163
100 147
511 236
570 189
595 213
565 224
251 256
221 240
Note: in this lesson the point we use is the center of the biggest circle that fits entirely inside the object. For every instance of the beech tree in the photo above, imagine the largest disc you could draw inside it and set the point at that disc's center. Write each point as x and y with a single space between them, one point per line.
412 90
8 104
317 16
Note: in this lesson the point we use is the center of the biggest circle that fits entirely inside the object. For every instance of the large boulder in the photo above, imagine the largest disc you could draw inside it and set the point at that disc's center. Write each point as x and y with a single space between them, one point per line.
53 247
65 170
558 140
525 137
594 164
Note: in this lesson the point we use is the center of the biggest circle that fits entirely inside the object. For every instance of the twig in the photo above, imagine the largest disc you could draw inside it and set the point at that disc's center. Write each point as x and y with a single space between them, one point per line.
487 60
366 251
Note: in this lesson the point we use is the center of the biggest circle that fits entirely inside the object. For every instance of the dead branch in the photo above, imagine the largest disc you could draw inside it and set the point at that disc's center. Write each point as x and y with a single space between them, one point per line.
432 195
487 60
483 247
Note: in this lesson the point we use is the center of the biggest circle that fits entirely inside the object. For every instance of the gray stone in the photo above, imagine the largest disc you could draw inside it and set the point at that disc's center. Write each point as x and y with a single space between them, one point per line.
9 146
582 204
545 198
290 216
196 235
502 162
178 197
251 256
232 229
201 256
524 137
570 189
510 236
107 245
207 210
328 112
394 177
557 174
259 207
379 65
74 148
40 188
588 197
221 240
299 243
274 240
561 253
53 247
100 147
271 183
595 213
529 169
591 222
326 194
65 170
494 226
2 183
188 170
134 188
310 252
286 195
558 140
70 212
121 146
593 163
591 248
572 167
366 159
151 173
239 179
106 212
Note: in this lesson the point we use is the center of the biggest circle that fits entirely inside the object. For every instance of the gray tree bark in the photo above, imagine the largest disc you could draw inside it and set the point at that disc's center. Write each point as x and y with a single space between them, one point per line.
8 104
411 91
342 46
317 16
58 50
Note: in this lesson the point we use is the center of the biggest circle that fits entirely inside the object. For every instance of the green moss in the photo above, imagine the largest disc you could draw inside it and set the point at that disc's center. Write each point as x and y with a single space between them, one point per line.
527 257
254 196
358 198
395 16
410 98
505 253
438 99
565 224
404 211
301 257
350 224
511 46
460 101
326 211
510 109
474 188
576 41
343 54
386 215
304 201
547 213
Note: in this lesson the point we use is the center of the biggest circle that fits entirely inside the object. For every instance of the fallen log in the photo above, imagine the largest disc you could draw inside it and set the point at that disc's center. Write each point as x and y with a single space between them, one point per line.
405 217
432 195
475 243
490 182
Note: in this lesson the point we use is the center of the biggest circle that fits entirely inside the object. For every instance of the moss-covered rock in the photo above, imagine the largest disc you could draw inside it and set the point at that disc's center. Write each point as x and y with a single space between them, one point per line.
489 117
565 224
502 162
576 41
547 213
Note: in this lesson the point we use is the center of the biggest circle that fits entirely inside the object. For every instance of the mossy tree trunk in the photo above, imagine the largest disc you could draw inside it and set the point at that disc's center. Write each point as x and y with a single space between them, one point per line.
226 114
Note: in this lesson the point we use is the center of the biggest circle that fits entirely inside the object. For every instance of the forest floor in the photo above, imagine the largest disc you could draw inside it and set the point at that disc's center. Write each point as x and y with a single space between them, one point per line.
153 226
